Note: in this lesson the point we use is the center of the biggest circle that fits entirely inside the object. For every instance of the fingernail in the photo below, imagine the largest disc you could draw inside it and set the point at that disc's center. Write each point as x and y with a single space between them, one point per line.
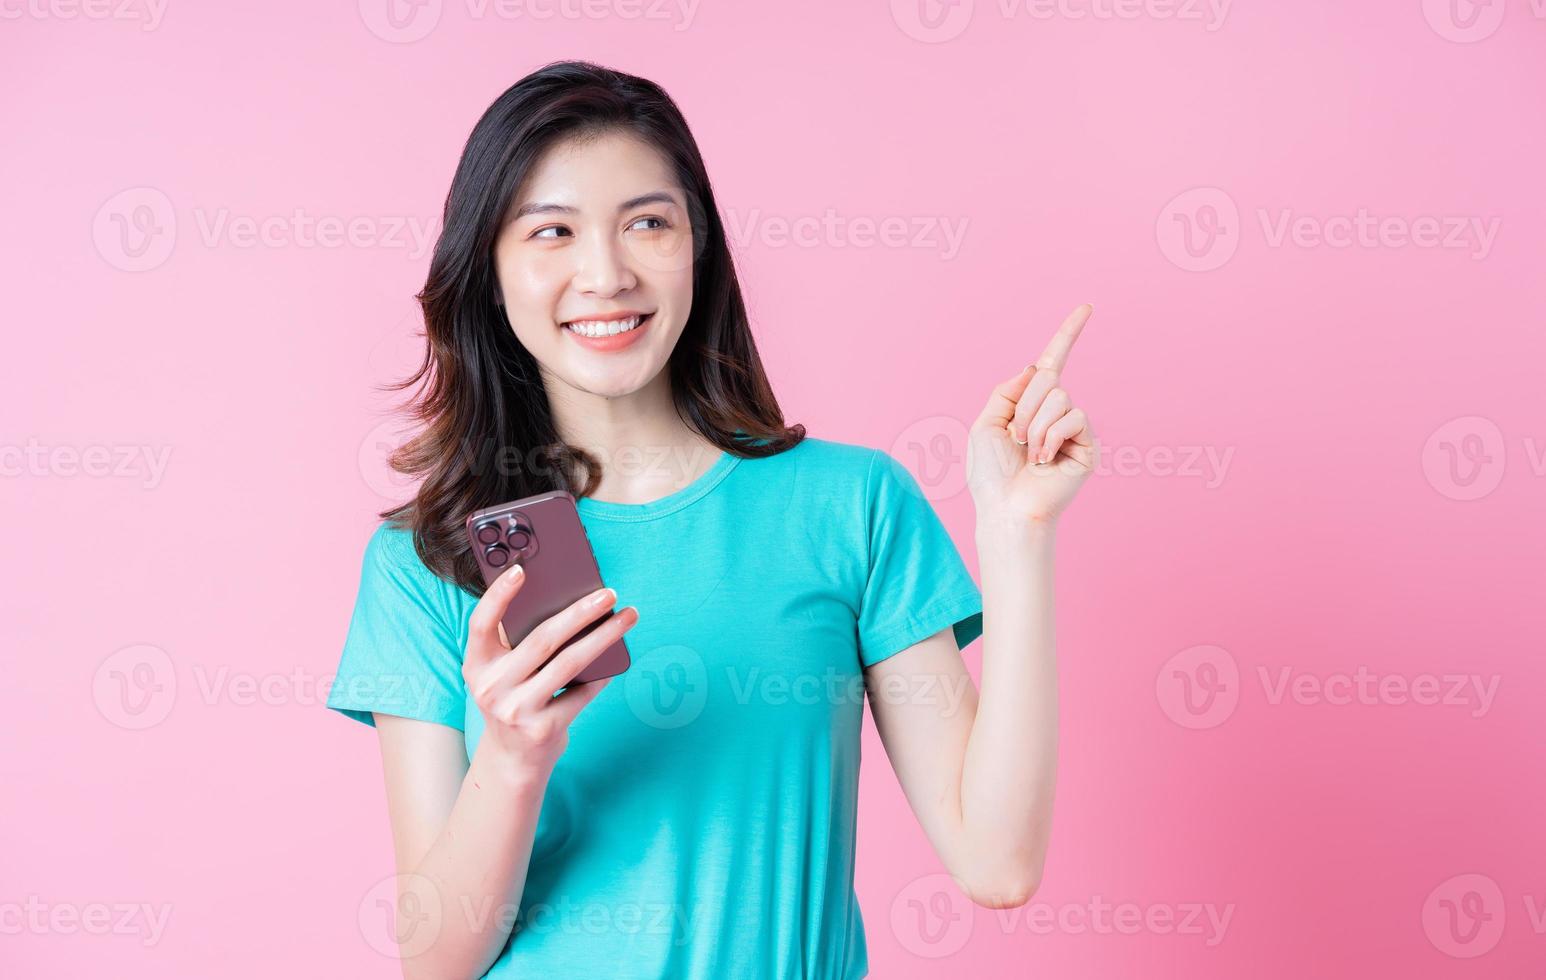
604 597
1041 457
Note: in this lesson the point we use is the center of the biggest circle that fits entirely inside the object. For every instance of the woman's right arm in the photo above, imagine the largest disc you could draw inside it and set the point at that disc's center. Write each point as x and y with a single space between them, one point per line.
463 832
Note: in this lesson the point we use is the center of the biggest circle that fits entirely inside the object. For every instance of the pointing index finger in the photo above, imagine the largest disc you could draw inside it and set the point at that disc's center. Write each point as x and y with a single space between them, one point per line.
1056 353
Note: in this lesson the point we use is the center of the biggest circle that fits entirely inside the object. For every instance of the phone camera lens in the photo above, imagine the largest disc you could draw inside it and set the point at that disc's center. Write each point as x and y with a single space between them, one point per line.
488 533
519 539
496 556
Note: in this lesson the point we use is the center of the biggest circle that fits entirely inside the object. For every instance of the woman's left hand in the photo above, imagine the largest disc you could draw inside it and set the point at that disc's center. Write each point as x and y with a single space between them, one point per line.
1030 450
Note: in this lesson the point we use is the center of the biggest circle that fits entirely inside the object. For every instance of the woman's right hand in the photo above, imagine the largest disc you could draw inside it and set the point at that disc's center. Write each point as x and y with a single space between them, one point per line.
524 724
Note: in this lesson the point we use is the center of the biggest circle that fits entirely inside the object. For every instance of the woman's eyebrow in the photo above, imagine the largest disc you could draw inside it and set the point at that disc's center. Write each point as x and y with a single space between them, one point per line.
537 207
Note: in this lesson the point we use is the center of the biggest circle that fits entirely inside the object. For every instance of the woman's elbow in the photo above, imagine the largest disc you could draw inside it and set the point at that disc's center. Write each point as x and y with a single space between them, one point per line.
1008 893
1005 884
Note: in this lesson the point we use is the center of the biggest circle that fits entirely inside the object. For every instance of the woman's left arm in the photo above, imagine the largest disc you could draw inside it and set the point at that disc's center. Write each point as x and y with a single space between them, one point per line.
979 769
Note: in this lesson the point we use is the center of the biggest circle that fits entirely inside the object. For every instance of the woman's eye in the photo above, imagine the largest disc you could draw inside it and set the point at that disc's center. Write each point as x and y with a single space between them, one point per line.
560 231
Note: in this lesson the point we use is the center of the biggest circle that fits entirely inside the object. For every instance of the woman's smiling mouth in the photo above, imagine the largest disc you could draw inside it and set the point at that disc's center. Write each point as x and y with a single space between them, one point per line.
609 334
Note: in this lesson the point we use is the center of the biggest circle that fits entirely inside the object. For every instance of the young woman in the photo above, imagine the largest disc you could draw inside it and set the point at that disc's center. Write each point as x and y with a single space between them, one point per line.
694 816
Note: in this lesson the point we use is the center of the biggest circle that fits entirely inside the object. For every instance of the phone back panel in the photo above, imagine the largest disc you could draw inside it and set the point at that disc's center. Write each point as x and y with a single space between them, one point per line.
544 534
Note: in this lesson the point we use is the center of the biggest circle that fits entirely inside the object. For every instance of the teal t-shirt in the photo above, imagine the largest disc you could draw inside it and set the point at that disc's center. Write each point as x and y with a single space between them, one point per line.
701 823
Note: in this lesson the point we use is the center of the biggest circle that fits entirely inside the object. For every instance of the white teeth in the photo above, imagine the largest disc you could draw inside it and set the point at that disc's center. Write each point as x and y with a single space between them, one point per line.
603 328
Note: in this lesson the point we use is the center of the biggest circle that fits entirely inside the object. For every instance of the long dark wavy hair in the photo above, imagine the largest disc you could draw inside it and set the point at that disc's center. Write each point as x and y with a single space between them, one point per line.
481 397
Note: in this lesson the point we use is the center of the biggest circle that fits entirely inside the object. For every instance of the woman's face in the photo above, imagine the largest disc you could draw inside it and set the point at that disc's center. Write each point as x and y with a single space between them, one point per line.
599 230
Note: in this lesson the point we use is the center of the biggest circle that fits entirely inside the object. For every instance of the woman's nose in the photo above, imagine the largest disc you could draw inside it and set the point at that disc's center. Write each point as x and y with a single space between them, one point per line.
603 268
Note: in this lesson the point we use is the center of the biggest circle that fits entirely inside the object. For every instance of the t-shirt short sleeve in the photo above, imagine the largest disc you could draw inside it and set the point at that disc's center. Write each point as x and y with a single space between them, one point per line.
917 583
401 655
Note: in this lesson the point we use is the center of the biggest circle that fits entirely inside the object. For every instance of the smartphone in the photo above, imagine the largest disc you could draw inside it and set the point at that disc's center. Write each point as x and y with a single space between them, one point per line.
544 535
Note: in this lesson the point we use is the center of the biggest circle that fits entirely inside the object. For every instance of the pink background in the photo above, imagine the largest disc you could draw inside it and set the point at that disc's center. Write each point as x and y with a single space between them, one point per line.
1348 522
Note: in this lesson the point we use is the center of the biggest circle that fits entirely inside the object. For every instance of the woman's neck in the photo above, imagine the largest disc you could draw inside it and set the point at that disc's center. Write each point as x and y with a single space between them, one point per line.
645 449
